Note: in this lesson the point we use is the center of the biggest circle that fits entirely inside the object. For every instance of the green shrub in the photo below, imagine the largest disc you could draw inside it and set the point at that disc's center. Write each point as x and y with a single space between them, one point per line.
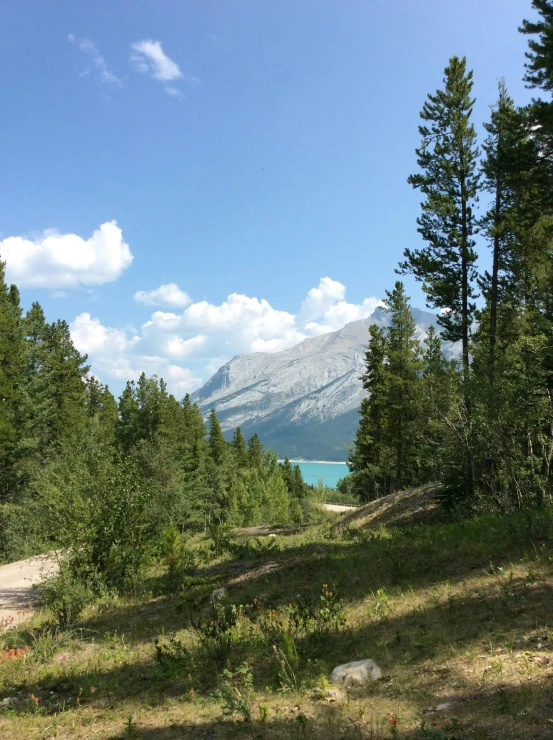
235 693
171 655
180 560
216 631
253 547
221 536
102 511
319 615
65 596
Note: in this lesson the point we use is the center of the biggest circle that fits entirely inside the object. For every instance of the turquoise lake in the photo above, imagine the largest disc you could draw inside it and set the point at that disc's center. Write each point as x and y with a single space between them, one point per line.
329 473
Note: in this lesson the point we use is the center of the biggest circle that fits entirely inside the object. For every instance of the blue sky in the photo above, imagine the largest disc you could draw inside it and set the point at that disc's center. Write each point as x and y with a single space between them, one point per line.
258 150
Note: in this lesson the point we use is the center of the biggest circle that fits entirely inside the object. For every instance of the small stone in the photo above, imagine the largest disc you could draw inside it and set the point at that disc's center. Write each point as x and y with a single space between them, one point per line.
544 660
217 595
356 673
7 702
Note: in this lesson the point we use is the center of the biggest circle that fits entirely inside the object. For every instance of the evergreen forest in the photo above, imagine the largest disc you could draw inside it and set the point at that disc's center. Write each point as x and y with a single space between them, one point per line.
481 424
77 466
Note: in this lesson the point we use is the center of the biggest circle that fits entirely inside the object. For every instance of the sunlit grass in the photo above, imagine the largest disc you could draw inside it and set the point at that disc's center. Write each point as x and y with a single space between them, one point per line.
453 613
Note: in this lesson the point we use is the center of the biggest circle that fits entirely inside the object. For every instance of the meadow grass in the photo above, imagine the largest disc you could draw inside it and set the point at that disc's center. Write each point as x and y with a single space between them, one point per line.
454 613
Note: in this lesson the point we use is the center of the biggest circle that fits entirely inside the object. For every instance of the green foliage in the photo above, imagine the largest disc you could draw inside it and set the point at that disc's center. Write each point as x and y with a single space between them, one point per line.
181 561
102 511
448 160
386 455
215 631
235 693
320 615
171 655
65 597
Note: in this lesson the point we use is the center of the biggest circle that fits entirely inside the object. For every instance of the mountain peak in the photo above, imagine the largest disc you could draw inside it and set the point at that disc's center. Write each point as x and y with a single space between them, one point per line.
302 401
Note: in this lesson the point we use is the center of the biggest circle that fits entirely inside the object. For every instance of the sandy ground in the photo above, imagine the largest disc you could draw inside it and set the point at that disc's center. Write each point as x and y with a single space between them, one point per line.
340 507
17 597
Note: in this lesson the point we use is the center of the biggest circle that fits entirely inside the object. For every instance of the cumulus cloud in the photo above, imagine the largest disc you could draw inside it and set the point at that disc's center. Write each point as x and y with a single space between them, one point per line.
320 299
60 261
89 48
187 347
165 295
116 355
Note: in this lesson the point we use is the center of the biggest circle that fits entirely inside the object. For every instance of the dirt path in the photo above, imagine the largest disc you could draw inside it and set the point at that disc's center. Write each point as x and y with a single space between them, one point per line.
17 597
340 507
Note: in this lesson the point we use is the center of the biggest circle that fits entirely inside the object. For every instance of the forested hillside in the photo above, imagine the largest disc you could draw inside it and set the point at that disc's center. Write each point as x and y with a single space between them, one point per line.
77 464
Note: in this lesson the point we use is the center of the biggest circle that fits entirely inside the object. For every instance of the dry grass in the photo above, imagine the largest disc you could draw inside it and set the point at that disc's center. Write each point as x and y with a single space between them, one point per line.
416 506
454 614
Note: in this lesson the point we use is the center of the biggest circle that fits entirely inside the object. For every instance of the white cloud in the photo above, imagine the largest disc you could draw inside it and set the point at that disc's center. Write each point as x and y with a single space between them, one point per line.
165 295
116 355
89 48
149 58
205 335
320 299
61 261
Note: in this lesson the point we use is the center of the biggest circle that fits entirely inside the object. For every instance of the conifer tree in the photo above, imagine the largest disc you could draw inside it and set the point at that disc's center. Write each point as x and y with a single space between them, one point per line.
448 159
128 429
366 456
102 406
255 452
217 443
65 371
507 165
439 388
402 369
239 449
539 71
11 358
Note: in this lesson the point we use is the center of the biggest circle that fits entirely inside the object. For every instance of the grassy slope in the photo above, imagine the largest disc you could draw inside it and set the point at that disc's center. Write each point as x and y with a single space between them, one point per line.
450 612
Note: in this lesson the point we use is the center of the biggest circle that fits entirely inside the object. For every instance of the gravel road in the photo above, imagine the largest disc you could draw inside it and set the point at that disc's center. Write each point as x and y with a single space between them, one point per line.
17 597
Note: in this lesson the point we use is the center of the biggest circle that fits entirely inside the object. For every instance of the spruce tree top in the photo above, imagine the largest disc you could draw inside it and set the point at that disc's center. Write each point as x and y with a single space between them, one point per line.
539 67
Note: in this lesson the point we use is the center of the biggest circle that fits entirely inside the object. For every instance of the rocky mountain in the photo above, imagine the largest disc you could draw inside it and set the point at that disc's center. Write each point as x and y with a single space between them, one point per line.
302 401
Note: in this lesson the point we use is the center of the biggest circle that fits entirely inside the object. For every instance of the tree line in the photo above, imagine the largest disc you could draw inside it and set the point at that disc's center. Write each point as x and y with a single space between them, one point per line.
72 457
481 424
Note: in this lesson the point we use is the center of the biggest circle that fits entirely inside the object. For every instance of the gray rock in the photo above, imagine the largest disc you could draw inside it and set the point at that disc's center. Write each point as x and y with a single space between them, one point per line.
356 673
217 595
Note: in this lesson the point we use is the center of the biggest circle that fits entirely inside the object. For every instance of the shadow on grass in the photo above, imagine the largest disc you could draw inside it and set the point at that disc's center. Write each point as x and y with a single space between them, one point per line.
409 645
417 557
410 648
510 713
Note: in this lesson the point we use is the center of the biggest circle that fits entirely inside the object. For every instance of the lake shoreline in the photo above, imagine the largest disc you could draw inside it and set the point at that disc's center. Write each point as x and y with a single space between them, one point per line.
318 462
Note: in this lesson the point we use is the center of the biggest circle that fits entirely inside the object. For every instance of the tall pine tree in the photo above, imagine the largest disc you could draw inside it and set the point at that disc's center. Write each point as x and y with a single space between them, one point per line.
448 159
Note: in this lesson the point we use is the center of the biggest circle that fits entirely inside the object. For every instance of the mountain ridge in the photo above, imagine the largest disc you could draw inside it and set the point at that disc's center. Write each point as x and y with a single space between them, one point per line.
301 401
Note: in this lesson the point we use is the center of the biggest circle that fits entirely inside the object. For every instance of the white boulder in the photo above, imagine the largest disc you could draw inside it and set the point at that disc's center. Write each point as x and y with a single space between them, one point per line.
356 673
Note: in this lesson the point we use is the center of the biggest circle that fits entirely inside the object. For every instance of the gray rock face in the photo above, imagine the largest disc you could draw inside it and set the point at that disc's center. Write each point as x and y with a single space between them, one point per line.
314 383
356 673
